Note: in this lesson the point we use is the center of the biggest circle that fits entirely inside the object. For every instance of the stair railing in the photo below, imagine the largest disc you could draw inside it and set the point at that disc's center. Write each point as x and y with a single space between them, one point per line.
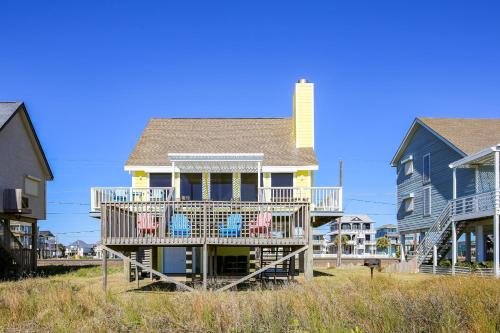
434 234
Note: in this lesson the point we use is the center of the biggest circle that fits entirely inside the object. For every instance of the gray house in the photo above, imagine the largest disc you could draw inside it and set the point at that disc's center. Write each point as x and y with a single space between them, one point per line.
24 171
447 185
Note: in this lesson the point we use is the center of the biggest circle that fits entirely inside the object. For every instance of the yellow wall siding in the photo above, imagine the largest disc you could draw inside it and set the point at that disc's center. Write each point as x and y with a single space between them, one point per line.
233 251
302 178
140 179
159 258
266 180
303 114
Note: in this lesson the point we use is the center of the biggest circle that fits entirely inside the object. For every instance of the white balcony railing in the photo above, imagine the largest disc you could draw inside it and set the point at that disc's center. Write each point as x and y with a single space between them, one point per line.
100 195
475 205
327 199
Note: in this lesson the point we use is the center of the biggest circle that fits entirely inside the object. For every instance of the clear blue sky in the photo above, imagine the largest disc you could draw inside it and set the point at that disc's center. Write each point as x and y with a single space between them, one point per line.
93 73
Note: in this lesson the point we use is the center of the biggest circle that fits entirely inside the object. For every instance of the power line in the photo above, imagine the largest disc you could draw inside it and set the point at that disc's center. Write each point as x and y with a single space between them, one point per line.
371 201
68 203
76 232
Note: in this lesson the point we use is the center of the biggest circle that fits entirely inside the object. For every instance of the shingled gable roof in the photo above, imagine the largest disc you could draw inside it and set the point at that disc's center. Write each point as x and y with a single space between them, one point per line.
464 135
7 111
271 136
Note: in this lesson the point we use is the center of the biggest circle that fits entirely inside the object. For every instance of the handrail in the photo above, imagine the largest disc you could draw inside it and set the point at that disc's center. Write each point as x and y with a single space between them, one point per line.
100 195
321 198
433 235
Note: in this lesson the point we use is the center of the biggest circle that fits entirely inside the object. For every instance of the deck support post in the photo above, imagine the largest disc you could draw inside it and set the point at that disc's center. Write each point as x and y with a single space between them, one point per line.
434 259
34 245
479 243
468 250
104 269
453 246
496 218
308 255
403 248
205 265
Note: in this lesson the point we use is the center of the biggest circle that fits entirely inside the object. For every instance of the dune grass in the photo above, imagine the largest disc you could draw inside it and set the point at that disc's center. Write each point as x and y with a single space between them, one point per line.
348 301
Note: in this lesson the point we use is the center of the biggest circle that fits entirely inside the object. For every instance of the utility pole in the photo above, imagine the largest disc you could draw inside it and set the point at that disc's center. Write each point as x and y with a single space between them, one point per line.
339 225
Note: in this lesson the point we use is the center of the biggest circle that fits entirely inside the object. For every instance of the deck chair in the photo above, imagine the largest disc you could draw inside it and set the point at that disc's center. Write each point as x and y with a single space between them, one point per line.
233 226
147 224
262 225
180 226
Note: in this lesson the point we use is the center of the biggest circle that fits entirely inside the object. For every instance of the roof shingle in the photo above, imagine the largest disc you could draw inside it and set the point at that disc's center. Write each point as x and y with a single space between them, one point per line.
271 136
470 135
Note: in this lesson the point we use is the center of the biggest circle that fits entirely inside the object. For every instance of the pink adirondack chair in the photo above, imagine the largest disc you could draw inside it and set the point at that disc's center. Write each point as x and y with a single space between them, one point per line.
147 224
262 226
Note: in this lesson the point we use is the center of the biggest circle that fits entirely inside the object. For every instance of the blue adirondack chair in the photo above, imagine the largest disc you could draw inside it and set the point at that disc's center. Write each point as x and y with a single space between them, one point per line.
180 226
233 226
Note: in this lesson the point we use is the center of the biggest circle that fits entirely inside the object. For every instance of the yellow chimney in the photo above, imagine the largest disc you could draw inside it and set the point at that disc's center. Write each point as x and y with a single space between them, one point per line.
303 114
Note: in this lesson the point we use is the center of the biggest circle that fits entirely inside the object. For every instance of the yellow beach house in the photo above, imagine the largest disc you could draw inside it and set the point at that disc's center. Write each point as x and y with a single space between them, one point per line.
219 201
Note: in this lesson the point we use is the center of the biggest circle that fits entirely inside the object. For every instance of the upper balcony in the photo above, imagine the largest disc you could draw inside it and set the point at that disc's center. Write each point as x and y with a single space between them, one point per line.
484 174
323 201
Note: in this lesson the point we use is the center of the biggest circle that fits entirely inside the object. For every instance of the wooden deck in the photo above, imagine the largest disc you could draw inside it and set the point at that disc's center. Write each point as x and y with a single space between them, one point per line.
150 223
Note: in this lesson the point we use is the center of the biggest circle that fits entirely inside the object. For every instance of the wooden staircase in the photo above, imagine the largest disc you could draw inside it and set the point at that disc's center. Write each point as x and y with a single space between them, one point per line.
143 256
439 235
15 260
286 269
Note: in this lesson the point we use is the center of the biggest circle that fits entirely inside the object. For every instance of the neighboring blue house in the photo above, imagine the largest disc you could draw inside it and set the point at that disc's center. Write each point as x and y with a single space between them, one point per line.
434 152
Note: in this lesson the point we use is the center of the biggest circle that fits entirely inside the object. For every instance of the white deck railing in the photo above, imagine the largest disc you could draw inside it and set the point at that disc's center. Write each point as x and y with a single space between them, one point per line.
328 199
100 195
475 205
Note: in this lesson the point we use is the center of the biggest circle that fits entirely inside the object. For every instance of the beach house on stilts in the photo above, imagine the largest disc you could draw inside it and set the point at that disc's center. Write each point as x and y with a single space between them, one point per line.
216 202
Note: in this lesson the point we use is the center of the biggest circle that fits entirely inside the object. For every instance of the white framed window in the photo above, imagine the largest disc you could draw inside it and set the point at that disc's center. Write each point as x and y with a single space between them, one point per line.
408 165
32 186
427 198
409 203
426 168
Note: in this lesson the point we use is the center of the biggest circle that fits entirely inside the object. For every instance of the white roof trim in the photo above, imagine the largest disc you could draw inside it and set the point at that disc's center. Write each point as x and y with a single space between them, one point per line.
475 156
212 157
288 168
168 169
410 133
149 169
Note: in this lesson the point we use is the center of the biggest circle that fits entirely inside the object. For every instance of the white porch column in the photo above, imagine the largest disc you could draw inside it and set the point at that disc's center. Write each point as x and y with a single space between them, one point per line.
176 190
259 185
454 183
453 246
403 249
496 217
479 243
468 246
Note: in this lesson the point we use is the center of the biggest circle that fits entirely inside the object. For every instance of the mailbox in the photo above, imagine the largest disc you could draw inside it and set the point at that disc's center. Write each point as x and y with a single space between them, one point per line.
372 263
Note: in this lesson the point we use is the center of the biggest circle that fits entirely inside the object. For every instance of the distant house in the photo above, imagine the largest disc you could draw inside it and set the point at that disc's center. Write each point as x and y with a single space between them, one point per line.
98 252
24 171
447 186
391 232
47 245
360 232
80 249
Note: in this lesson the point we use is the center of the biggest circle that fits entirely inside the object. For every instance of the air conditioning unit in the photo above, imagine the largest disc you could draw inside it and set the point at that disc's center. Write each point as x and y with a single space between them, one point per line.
15 202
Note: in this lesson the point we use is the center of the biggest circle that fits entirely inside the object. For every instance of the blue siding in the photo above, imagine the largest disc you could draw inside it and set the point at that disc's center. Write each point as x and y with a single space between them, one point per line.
422 143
